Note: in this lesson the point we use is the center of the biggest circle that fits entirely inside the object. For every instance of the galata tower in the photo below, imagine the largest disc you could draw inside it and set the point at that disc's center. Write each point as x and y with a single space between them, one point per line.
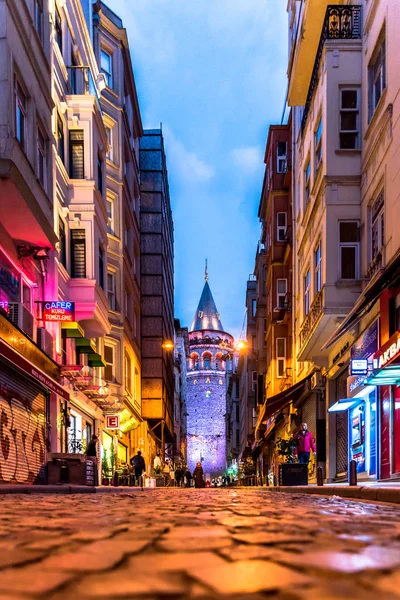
210 352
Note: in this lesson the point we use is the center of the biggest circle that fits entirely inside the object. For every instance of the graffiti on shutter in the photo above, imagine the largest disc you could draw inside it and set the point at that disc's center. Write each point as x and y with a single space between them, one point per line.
22 429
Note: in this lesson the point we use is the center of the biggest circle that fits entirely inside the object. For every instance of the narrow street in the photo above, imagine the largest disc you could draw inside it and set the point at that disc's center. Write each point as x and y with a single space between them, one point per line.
197 544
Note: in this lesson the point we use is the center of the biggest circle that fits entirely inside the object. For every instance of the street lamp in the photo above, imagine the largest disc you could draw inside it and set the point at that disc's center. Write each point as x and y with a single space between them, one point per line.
168 345
242 346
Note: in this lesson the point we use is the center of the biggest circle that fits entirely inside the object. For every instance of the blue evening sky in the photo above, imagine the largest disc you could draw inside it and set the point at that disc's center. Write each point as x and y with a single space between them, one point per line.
213 72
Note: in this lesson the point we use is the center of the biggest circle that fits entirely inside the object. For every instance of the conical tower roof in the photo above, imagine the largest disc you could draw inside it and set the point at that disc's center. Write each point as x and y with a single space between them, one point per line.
207 315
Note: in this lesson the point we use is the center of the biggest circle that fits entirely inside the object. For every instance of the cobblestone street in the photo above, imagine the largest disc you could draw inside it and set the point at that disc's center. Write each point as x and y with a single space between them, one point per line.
197 544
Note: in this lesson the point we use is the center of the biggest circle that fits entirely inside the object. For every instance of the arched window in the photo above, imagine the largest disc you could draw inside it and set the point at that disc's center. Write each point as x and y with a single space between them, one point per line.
207 360
194 361
219 362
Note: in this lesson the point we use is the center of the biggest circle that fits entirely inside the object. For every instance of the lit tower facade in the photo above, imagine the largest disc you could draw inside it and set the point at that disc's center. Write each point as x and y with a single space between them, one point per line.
210 349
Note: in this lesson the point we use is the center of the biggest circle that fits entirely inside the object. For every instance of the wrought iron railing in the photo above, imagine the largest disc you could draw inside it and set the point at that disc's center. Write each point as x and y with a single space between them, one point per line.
341 23
311 319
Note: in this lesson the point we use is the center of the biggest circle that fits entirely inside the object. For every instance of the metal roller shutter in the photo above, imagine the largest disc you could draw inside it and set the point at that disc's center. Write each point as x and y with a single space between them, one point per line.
22 427
309 415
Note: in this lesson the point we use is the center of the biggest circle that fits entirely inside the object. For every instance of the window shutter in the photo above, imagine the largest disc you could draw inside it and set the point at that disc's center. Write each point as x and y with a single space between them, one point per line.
76 141
78 253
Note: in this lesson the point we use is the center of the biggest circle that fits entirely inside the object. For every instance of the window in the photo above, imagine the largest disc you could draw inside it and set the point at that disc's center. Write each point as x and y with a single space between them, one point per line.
100 173
78 253
253 381
111 292
128 373
207 360
280 357
20 114
318 145
110 215
39 18
281 155
106 67
237 433
376 77
253 307
307 182
41 157
60 138
62 240
59 34
377 226
348 248
317 268
195 362
281 226
101 267
109 133
281 291
76 154
237 413
109 374
307 292
349 119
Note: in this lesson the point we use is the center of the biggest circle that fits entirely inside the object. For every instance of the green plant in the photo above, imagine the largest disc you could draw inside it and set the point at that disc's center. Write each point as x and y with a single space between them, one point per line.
286 448
246 467
113 459
157 470
105 467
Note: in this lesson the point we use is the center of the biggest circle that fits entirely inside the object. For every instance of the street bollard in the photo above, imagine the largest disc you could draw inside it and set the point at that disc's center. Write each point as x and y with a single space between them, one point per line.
320 476
116 479
353 473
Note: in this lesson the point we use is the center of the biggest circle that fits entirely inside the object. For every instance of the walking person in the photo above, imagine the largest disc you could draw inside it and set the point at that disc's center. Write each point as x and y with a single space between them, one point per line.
139 466
305 443
178 476
91 453
188 477
198 476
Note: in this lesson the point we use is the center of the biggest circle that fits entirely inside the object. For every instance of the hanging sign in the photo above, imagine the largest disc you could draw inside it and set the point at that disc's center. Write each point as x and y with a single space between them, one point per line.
112 421
359 366
58 310
387 352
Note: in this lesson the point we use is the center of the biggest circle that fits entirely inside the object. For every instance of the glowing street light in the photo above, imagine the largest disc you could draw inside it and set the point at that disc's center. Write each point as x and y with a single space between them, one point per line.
168 345
241 346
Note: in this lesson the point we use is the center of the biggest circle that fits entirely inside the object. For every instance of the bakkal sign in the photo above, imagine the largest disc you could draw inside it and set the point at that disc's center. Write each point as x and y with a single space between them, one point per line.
388 352
112 421
59 311
359 366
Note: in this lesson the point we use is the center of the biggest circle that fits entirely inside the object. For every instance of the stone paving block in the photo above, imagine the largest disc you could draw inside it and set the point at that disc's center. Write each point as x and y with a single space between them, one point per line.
32 579
267 538
125 583
249 576
17 556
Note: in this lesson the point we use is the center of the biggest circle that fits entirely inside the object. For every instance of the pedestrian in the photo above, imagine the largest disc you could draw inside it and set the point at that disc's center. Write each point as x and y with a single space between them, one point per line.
228 479
139 466
157 464
166 472
198 476
178 475
304 444
188 477
91 453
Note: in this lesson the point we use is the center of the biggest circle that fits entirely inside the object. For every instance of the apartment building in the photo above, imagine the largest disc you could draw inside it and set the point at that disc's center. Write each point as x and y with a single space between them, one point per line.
181 357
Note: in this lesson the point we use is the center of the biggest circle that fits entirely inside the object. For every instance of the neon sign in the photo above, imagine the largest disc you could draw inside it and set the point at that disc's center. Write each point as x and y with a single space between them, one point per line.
59 311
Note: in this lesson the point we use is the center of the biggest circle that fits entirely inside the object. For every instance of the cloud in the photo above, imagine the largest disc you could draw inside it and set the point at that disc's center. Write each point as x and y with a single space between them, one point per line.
185 163
248 158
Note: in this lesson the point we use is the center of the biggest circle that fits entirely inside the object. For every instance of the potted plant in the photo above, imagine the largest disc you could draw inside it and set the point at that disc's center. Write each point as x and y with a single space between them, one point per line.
105 470
246 470
291 473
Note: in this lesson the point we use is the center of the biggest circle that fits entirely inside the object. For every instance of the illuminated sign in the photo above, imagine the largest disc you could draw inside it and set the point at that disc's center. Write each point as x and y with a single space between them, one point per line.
112 421
387 352
359 366
4 305
59 311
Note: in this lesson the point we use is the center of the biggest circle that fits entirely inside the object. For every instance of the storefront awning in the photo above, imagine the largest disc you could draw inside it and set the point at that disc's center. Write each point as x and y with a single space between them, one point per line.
342 405
367 299
72 330
95 360
279 401
85 346
389 375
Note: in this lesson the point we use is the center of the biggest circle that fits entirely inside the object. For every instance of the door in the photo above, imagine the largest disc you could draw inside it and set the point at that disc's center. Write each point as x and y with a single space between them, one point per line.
396 430
384 407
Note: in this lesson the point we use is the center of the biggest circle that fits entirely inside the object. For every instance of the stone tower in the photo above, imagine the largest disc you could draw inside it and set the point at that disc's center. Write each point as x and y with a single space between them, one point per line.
210 349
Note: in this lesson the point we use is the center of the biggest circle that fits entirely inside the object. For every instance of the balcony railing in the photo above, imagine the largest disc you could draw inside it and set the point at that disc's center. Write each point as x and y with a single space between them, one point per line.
341 23
311 319
82 83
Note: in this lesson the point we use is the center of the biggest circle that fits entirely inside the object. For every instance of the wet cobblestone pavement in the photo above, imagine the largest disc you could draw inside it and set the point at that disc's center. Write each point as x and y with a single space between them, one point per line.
244 543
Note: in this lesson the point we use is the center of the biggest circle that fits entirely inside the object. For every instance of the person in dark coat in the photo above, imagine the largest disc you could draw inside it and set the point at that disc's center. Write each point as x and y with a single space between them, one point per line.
178 476
91 453
139 466
188 477
198 476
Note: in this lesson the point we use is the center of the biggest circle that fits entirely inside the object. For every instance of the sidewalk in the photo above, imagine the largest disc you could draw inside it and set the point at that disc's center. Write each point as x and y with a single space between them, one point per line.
381 491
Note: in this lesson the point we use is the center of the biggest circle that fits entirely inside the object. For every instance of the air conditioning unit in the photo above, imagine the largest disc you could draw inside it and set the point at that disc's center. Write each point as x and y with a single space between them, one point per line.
317 381
21 317
45 341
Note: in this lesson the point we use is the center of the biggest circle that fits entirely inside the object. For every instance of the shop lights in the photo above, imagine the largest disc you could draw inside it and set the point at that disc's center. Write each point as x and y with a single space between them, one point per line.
389 375
342 405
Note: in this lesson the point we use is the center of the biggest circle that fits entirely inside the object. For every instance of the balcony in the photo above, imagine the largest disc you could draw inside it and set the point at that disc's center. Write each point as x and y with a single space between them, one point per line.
82 83
335 21
91 307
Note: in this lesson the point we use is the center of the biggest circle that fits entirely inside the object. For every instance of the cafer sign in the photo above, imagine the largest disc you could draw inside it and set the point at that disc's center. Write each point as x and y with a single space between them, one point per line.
388 352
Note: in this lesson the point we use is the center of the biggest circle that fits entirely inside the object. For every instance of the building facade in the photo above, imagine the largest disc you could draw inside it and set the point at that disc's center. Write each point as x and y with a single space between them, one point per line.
211 350
181 357
157 287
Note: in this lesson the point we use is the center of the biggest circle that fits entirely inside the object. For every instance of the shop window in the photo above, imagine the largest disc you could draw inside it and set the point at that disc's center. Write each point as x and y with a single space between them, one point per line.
76 154
349 119
280 357
78 253
376 76
348 249
281 226
281 157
